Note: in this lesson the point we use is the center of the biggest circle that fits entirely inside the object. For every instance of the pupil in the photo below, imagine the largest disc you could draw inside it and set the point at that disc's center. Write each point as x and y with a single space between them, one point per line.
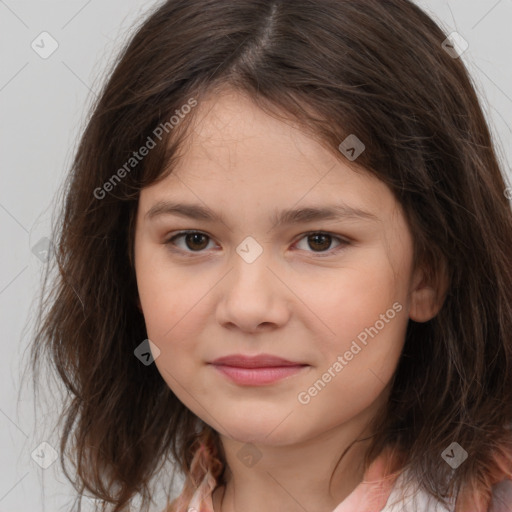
325 237
194 237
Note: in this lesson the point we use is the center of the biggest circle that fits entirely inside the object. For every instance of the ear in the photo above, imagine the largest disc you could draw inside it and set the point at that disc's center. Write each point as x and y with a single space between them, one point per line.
428 293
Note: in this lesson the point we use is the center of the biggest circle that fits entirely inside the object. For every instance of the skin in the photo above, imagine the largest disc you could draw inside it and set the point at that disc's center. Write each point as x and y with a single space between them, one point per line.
302 299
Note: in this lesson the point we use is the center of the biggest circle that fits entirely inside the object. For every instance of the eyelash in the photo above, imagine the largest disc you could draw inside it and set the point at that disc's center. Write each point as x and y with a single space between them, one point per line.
343 242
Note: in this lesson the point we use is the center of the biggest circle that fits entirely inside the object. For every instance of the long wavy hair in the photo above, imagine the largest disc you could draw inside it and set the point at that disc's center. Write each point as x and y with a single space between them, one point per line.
374 68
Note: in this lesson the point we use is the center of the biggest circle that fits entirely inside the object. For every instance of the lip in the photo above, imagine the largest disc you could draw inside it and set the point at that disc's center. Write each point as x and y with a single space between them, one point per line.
256 370
259 361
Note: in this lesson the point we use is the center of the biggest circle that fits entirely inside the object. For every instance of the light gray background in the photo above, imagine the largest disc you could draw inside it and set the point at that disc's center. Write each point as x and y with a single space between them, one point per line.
44 104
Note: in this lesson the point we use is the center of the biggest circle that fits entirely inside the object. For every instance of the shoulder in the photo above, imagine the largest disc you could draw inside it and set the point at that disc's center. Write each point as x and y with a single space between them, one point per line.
420 501
408 498
502 497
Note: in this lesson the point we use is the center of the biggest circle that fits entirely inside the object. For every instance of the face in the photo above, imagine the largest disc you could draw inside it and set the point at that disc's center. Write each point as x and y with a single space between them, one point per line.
331 294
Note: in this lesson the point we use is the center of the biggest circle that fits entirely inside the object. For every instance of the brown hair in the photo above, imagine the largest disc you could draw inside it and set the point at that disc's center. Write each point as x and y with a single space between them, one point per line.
372 68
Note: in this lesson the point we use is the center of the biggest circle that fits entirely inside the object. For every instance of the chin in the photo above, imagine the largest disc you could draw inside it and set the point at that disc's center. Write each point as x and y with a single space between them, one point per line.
264 434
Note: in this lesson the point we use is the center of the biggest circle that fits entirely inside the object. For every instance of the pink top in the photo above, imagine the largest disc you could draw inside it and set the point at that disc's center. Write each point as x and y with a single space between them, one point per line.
371 495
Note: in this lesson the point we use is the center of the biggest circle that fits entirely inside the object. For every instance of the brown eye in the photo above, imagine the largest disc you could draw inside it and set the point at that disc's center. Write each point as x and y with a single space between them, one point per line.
318 242
195 241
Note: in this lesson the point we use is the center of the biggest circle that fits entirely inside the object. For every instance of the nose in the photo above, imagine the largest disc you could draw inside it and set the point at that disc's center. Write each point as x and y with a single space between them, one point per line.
254 296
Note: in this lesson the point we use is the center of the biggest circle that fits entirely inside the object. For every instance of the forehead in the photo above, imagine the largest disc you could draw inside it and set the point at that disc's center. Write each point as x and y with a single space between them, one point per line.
239 158
234 131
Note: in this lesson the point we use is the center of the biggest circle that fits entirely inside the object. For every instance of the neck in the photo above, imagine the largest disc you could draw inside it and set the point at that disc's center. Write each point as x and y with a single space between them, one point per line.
294 477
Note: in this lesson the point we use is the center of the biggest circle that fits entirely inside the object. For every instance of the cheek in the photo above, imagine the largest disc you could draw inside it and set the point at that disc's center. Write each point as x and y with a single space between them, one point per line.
171 308
346 302
370 327
170 295
358 365
174 303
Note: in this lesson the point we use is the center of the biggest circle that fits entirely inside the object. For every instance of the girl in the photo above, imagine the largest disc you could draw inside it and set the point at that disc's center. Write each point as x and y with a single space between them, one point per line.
371 372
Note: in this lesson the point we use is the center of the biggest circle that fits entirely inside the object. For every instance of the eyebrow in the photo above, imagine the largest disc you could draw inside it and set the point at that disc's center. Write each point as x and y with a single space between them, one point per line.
279 218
